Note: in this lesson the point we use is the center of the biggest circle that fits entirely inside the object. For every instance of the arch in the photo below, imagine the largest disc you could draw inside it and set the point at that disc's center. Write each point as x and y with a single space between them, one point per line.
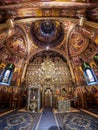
67 52
41 50
30 56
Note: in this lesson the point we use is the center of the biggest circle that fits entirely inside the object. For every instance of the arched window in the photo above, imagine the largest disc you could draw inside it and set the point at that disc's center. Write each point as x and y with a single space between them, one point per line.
89 74
6 75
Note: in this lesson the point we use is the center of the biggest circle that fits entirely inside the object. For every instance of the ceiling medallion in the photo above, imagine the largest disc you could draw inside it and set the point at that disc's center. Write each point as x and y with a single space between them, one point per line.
47 33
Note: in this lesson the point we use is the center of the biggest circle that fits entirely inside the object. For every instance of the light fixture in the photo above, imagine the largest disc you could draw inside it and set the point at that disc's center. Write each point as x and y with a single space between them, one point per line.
10 23
82 21
47 48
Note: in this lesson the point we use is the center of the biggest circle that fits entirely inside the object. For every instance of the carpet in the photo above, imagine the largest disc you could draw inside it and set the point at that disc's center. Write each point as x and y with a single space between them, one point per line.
77 121
18 121
48 121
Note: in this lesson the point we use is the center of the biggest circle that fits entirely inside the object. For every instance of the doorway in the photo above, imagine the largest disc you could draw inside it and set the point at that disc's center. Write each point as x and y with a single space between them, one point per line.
48 97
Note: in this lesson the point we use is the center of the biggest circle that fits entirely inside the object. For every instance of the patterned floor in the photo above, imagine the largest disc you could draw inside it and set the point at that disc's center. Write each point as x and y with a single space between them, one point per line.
67 121
77 121
18 121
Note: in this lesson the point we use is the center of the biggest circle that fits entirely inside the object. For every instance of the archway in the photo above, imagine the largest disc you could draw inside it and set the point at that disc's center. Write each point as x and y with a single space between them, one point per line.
48 95
48 71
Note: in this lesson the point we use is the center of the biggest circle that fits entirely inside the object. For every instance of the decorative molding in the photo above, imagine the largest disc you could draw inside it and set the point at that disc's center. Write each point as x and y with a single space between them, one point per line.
59 5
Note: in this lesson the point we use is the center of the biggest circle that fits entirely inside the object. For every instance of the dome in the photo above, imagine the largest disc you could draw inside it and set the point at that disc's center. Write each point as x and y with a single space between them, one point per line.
47 33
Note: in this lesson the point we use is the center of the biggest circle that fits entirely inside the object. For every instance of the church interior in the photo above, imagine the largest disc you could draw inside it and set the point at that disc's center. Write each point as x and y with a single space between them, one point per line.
49 65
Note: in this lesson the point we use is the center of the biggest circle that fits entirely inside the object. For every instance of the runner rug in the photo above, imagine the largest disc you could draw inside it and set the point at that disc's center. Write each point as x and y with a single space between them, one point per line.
48 120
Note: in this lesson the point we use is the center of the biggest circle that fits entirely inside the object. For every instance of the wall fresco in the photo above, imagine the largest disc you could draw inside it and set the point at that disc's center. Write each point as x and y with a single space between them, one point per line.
87 56
77 43
26 1
27 26
93 13
17 43
90 51
3 37
35 12
7 57
90 32
4 54
79 76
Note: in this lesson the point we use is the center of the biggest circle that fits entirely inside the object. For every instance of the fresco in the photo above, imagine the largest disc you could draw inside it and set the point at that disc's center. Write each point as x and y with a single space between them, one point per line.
17 43
73 12
66 24
47 33
77 43
89 53
46 8
16 77
95 68
38 11
4 53
93 13
7 57
3 37
90 32
76 61
27 27
79 76
87 56
26 1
